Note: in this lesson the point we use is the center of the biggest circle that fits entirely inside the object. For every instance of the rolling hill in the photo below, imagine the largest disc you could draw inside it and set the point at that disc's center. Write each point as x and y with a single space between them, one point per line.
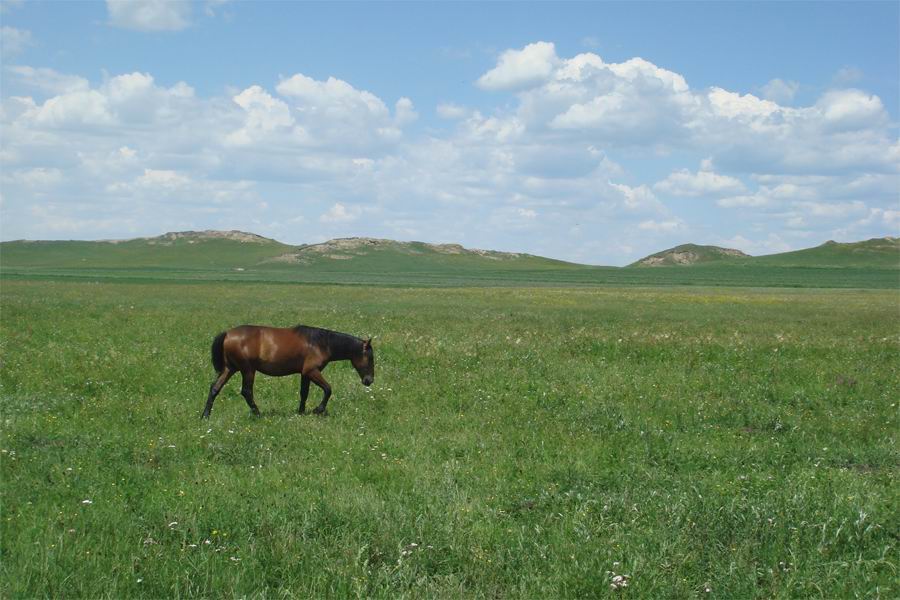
877 252
183 249
240 251
194 256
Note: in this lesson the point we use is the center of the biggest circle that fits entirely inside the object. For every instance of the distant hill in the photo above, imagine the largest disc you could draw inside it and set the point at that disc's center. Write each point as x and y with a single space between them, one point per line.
881 253
181 249
877 252
688 254
238 250
390 255
196 256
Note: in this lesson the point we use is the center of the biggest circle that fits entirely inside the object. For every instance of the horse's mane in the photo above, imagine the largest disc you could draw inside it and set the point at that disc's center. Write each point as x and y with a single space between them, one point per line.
336 343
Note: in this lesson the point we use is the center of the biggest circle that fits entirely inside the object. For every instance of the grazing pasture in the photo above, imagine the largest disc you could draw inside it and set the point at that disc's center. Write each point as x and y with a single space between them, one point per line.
517 442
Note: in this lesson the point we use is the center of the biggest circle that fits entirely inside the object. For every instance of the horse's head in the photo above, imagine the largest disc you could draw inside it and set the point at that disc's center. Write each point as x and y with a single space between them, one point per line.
364 363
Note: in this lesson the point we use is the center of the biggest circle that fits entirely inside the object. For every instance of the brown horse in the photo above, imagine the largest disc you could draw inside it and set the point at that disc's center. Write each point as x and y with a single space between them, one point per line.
285 351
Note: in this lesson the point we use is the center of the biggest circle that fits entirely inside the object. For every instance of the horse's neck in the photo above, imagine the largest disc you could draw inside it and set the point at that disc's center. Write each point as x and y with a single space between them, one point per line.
343 348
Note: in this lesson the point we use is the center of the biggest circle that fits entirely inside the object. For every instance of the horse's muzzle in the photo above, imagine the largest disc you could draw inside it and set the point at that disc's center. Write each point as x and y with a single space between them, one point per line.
367 380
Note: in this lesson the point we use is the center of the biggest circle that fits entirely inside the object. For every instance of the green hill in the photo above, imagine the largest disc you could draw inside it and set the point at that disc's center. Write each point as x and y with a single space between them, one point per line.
877 252
379 255
236 250
688 254
882 253
236 256
185 250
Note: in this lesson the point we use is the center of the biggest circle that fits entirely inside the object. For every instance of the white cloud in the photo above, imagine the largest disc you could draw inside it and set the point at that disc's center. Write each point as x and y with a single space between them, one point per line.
637 104
771 244
638 199
263 115
13 41
404 111
130 99
339 213
780 91
48 80
851 110
519 69
668 226
334 113
830 210
150 15
701 183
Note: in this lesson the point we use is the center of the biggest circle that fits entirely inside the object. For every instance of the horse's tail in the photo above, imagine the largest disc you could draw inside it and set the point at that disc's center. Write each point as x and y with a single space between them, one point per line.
218 352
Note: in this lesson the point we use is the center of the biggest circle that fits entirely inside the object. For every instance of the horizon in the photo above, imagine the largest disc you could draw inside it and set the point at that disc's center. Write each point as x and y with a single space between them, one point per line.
414 241
590 133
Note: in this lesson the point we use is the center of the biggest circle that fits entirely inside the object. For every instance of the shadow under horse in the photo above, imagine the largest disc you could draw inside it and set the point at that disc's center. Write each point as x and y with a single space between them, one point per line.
281 351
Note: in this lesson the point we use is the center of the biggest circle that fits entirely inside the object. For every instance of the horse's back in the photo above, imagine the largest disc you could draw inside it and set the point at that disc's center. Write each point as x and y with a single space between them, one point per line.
271 350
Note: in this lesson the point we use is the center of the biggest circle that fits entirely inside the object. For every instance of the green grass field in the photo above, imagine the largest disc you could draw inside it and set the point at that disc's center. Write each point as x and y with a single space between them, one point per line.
518 442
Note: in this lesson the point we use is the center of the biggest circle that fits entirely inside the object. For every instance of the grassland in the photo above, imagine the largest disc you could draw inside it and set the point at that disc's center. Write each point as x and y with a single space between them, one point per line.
518 442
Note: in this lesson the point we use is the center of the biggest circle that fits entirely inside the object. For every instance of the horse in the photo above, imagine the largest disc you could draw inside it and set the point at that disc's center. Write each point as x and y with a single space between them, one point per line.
281 351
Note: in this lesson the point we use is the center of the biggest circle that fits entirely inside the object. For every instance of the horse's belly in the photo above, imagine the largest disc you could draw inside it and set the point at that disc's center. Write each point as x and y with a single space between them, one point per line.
277 369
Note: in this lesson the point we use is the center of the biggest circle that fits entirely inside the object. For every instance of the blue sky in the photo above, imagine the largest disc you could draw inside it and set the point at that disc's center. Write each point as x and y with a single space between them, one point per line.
594 132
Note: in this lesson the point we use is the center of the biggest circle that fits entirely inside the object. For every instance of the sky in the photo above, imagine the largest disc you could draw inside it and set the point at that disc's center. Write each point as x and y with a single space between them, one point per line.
591 132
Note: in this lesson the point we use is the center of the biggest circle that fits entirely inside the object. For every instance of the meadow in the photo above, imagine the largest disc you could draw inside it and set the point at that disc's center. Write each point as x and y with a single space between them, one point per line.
530 442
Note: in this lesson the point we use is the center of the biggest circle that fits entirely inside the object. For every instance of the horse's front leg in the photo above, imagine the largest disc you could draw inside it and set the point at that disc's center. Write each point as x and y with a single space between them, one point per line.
304 393
316 377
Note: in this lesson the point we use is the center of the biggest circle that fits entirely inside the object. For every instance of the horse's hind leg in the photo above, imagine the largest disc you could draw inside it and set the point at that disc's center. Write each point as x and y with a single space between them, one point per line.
215 388
247 389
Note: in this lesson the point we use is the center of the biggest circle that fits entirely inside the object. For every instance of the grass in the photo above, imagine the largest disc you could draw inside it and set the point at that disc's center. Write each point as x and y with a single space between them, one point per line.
518 442
714 274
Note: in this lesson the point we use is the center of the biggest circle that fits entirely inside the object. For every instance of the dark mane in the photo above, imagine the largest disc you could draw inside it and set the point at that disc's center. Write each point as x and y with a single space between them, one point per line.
338 345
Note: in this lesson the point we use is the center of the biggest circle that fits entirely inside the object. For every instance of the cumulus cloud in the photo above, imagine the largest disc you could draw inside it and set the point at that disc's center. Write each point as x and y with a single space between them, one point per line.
404 112
339 213
149 15
263 114
518 69
702 183
636 103
849 110
133 98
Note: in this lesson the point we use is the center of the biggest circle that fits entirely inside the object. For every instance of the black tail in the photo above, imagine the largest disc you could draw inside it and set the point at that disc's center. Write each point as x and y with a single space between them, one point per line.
218 352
